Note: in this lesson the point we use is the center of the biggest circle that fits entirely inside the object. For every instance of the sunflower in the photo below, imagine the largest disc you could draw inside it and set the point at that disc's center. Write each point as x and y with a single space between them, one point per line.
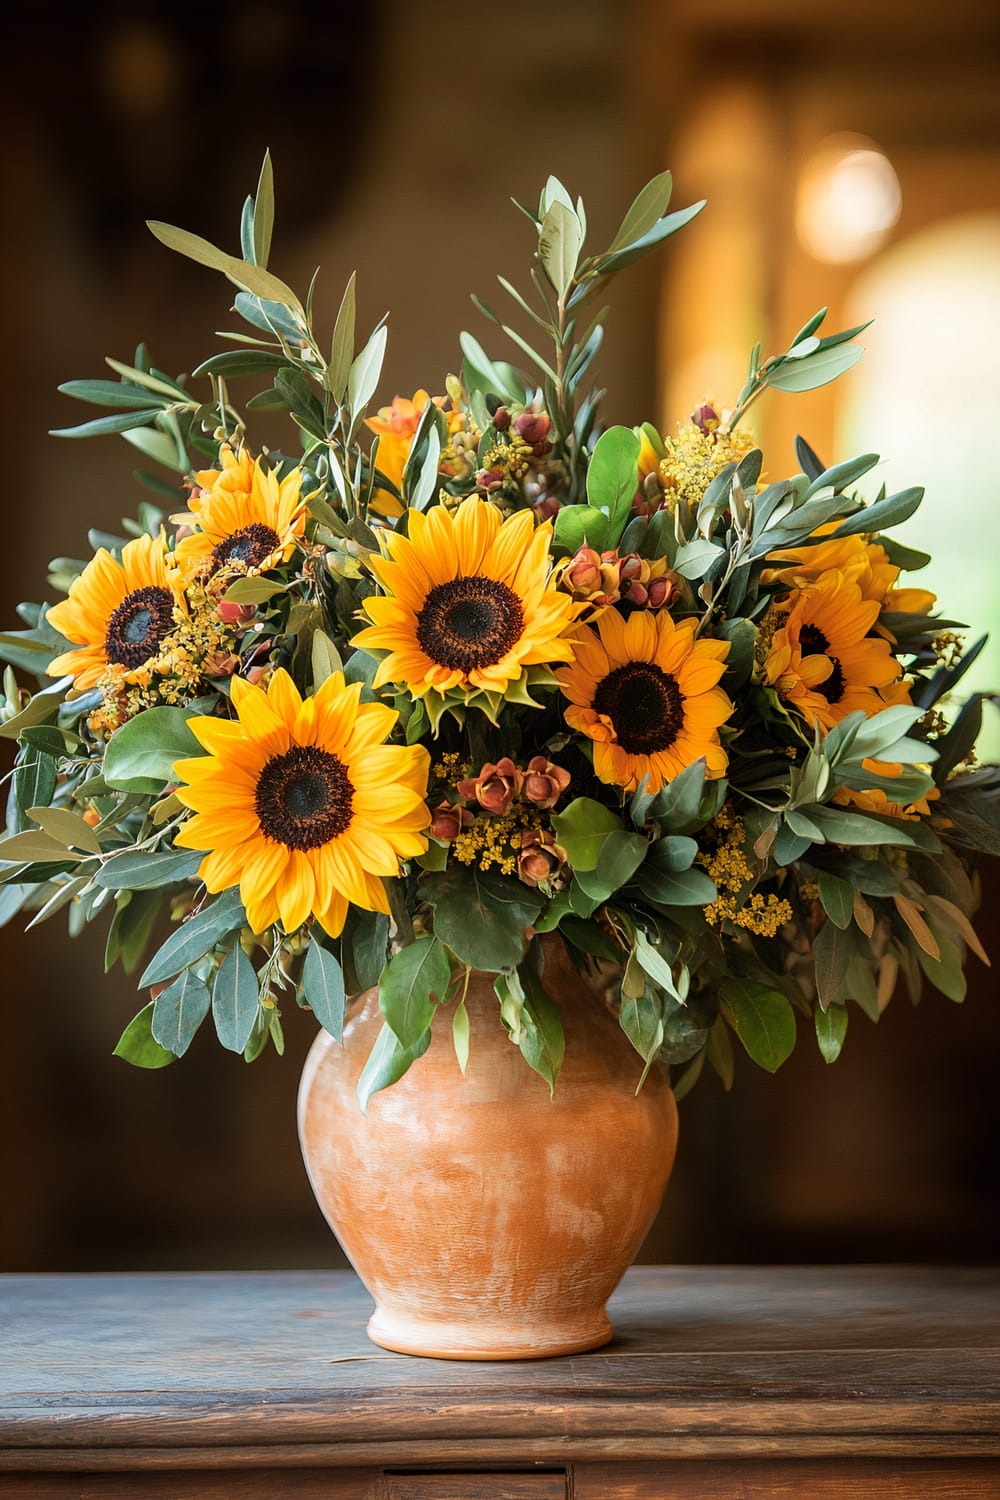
118 613
858 558
822 661
469 603
242 516
646 692
301 804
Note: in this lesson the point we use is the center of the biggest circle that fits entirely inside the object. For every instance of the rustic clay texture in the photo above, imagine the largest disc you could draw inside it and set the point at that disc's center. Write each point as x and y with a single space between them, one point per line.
488 1219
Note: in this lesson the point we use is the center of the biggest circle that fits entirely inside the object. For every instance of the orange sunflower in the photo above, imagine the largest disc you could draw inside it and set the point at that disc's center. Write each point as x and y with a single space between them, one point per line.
822 661
646 692
301 803
864 562
470 603
118 613
243 515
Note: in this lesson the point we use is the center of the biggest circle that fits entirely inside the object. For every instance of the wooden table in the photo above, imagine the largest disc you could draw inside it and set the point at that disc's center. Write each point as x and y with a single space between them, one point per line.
720 1383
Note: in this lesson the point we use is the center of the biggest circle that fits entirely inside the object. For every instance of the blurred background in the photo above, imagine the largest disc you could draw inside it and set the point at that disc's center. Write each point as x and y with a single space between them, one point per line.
850 153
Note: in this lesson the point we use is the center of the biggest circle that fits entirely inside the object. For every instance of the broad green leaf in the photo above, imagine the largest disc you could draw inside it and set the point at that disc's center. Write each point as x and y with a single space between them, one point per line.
480 916
141 754
138 1046
323 988
831 1029
816 369
411 988
67 827
763 1020
676 888
31 847
696 558
582 830
641 1019
543 1042
581 525
325 659
387 1062
460 1035
833 949
613 476
195 937
33 784
235 1000
42 706
137 870
655 965
649 205
131 928
178 1011
363 950
254 590
559 241
837 897
495 377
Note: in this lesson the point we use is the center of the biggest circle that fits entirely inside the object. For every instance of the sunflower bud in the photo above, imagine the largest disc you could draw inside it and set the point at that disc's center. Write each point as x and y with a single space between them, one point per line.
544 783
495 787
541 861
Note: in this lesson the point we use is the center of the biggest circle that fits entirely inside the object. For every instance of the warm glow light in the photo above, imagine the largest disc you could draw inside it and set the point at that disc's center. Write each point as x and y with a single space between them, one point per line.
848 199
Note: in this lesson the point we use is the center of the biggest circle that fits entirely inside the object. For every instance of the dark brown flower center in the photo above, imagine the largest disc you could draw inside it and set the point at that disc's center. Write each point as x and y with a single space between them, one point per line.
644 704
250 545
304 798
138 625
814 643
469 622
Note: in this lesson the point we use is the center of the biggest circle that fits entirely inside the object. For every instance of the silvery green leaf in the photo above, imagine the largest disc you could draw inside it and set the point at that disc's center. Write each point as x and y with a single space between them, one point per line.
178 1011
235 1000
559 241
365 371
816 369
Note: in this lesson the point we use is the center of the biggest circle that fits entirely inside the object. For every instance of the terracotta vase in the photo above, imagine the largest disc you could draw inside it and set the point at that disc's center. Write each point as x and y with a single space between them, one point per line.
487 1219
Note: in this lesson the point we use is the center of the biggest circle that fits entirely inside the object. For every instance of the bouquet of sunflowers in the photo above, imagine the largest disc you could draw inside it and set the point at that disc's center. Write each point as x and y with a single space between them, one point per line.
392 705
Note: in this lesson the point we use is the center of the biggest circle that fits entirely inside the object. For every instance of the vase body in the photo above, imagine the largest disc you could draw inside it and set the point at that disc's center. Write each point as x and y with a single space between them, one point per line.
487 1219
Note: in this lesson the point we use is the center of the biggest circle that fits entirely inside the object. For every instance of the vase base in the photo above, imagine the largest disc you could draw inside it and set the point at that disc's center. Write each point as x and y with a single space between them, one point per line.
477 1339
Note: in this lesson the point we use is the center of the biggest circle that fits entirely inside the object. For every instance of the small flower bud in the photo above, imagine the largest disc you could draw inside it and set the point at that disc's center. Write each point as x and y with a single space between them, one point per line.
447 822
544 783
501 419
706 418
541 861
495 787
232 613
533 426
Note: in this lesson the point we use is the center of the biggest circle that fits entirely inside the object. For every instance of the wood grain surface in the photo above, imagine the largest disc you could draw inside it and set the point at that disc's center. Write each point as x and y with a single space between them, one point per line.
245 1372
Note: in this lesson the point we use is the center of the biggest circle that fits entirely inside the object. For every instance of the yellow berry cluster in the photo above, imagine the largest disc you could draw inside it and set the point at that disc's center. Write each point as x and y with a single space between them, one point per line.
200 646
493 842
728 867
695 457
